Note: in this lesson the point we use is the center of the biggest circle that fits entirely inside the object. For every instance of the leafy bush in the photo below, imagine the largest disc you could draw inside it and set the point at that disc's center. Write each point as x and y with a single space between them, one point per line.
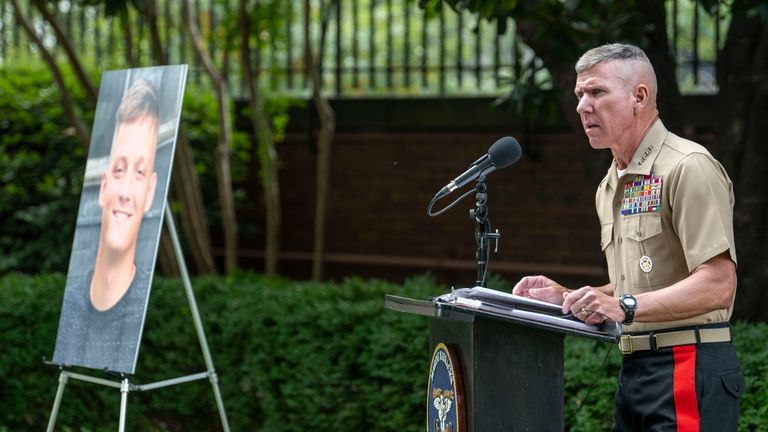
591 368
750 346
291 356
41 172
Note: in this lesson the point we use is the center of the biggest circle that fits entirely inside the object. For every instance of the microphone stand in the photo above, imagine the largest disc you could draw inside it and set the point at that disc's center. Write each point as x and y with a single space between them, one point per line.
482 236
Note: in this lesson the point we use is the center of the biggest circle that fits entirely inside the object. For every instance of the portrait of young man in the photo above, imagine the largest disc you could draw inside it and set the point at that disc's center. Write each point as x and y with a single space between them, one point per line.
112 262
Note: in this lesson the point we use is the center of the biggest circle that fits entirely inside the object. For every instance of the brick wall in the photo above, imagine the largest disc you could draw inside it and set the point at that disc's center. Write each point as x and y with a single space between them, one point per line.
388 162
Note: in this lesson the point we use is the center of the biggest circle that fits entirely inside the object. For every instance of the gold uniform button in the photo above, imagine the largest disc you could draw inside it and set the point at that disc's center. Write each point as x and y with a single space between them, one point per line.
620 240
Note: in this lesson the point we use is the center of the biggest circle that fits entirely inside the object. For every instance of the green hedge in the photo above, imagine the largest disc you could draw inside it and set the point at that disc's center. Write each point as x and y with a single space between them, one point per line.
291 356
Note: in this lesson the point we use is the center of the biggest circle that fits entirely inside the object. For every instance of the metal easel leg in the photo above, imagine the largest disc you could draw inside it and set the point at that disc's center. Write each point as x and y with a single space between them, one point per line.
196 318
63 378
125 387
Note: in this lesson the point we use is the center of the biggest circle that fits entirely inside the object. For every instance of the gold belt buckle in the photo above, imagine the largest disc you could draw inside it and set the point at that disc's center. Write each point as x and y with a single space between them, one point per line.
625 345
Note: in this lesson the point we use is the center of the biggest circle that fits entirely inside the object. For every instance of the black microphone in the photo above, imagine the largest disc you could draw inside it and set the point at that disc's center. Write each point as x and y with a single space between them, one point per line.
501 154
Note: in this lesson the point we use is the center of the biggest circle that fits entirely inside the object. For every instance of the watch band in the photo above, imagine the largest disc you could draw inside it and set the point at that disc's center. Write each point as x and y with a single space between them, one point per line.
628 303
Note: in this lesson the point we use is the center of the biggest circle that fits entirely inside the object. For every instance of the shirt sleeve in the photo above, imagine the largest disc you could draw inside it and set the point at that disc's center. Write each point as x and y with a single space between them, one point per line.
701 197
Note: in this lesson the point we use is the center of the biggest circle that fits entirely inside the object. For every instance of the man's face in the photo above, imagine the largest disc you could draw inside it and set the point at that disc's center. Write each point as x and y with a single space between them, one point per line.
128 185
605 105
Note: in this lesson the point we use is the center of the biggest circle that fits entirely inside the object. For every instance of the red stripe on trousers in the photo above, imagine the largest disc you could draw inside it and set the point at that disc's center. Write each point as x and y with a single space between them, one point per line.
686 405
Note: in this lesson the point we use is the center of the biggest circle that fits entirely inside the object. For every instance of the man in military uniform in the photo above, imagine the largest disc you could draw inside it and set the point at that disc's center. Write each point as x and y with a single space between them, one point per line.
665 209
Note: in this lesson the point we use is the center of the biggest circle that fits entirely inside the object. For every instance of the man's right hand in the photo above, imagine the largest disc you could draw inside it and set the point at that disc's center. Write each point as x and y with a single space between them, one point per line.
540 288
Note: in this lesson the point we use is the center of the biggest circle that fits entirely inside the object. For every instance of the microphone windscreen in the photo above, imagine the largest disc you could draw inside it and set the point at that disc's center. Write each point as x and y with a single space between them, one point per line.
505 152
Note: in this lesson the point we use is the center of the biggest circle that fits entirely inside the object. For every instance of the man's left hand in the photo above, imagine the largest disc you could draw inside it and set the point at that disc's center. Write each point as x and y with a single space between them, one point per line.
592 306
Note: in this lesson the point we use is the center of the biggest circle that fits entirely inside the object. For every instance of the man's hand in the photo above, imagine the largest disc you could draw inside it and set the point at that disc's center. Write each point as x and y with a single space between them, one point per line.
592 305
540 288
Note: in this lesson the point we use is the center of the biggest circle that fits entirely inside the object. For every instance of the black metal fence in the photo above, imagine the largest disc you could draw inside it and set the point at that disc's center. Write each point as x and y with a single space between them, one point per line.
369 47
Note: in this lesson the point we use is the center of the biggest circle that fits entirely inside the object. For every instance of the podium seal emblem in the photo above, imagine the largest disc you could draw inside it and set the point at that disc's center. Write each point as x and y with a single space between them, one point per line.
445 392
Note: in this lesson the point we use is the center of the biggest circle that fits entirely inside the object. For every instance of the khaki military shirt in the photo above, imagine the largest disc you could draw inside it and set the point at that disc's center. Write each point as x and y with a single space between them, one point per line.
670 212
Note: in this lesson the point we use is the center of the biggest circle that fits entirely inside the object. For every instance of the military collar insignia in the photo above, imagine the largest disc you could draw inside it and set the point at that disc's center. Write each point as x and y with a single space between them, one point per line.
645 155
646 152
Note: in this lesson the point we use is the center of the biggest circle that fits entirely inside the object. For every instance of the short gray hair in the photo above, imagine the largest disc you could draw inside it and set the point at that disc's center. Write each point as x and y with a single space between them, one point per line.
614 51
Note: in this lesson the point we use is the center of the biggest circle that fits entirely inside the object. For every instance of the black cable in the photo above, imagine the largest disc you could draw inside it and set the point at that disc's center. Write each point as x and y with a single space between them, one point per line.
446 208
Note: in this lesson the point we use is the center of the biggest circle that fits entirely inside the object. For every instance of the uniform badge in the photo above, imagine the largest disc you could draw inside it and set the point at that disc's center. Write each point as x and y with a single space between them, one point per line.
642 195
646 264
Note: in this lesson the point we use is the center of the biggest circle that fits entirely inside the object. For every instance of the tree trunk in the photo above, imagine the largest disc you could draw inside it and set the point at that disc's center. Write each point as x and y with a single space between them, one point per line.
324 147
186 188
150 8
223 173
69 107
742 68
125 24
63 41
266 151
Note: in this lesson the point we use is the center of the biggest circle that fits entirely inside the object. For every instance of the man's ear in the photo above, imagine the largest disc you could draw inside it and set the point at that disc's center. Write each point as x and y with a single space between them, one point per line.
641 95
151 192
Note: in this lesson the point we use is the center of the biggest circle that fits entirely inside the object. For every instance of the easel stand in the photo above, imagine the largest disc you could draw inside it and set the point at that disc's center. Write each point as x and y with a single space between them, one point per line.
125 386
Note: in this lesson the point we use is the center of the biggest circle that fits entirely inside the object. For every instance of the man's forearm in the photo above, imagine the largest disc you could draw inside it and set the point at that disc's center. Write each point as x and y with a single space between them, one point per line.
711 286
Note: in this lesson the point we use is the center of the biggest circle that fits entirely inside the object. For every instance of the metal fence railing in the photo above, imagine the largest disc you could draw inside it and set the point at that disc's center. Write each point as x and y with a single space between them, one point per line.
370 47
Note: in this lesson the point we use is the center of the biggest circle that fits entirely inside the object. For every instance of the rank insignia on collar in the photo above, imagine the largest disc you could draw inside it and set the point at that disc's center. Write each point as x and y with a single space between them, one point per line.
642 195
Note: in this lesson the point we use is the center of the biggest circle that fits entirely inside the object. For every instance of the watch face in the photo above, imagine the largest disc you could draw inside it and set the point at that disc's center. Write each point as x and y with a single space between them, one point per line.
629 302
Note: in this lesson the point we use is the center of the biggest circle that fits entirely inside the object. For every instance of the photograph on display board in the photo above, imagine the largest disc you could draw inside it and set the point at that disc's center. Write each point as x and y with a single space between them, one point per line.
120 218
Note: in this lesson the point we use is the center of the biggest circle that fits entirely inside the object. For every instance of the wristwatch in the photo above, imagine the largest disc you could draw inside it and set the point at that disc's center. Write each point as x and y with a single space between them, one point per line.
628 302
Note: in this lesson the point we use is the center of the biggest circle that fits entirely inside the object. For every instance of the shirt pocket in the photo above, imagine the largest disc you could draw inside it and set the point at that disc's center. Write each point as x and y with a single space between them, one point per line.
606 244
647 257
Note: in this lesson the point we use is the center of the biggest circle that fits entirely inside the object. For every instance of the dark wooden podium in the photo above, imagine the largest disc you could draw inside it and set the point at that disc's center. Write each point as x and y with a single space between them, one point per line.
512 366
